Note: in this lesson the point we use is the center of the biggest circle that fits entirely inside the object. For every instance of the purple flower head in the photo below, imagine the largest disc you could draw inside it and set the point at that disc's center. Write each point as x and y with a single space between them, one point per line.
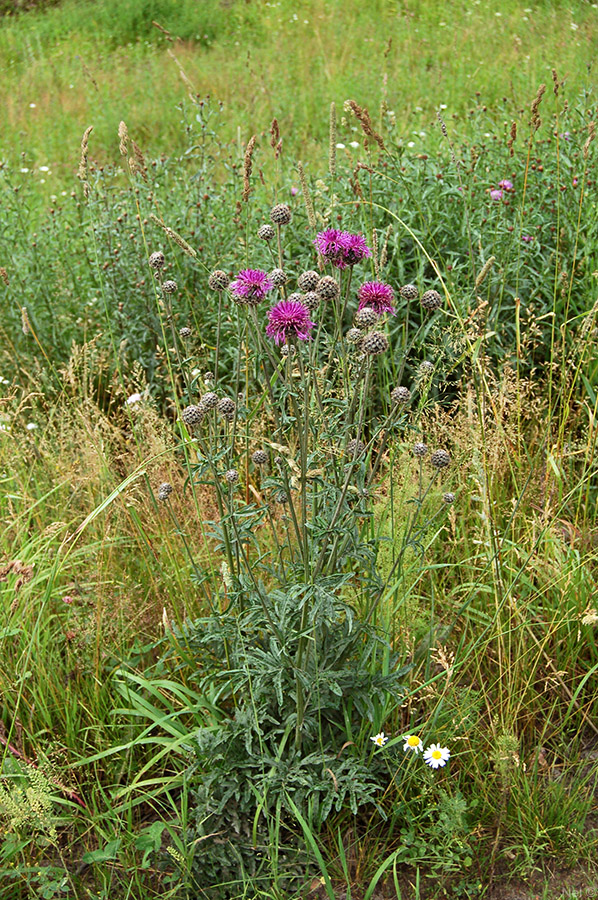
341 248
505 184
251 286
566 135
289 319
496 195
328 243
294 191
378 296
527 238
354 248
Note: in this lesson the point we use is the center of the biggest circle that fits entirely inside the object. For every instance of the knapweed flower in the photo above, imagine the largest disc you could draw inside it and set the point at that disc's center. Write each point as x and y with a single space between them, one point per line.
527 238
377 295
289 319
251 286
505 184
413 743
436 756
354 249
341 248
328 244
379 739
496 194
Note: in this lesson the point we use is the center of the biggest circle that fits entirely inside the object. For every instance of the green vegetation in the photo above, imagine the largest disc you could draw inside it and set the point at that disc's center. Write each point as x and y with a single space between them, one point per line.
190 680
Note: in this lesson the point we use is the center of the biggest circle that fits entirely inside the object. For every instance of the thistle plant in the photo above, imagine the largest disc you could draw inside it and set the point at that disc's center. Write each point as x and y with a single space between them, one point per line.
293 465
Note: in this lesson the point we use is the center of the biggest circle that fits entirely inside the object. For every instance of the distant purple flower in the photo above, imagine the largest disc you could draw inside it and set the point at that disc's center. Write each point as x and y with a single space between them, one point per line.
251 286
527 238
566 135
575 181
289 319
341 248
294 191
378 296
496 195
505 184
354 249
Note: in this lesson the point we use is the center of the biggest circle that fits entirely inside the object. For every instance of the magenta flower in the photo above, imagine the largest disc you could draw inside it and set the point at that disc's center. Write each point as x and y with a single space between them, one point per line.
328 243
289 319
378 296
505 184
294 191
251 286
527 238
354 248
496 195
341 248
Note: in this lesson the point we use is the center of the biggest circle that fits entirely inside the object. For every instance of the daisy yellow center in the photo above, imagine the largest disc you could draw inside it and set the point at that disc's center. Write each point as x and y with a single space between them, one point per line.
436 754
413 741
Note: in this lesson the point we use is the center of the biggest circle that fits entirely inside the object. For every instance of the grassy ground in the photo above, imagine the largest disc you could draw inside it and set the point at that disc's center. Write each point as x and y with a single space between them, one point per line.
107 685
97 63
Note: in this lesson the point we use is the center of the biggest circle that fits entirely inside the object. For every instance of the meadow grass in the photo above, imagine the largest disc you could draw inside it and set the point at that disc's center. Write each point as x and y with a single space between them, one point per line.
80 64
134 667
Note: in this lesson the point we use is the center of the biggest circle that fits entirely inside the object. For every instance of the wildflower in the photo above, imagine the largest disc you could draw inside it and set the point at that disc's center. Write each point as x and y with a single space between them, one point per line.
260 457
413 743
379 739
209 400
327 288
294 191
436 755
496 194
354 249
289 319
218 280
265 232
133 399
192 415
328 244
251 286
365 317
232 476
377 295
374 343
440 459
505 184
400 395
354 336
157 260
311 300
226 408
308 281
527 238
431 300
409 291
277 277
164 491
420 449
67 599
280 214
185 332
170 287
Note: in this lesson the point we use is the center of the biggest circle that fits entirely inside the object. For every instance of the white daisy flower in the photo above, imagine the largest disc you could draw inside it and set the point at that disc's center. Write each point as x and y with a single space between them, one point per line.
379 739
413 743
436 756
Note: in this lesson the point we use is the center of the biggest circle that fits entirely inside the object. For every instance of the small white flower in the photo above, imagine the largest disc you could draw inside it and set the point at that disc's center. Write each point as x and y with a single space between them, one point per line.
436 755
411 143
574 27
24 171
443 106
379 739
413 743
354 144
44 168
134 398
30 426
340 146
32 106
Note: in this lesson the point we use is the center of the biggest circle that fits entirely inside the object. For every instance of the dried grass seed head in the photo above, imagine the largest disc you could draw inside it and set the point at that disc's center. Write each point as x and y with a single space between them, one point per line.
375 343
281 214
218 280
